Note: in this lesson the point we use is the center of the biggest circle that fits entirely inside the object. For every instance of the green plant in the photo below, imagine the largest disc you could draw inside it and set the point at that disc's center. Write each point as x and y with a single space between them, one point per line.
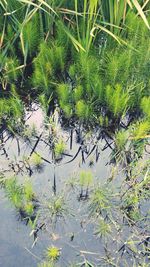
121 138
20 195
141 130
85 178
53 253
29 208
36 159
145 104
49 62
117 100
99 201
28 191
83 110
14 192
57 207
59 148
103 228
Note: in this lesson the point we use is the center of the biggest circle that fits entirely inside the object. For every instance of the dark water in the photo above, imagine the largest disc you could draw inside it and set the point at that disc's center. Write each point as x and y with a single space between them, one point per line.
73 233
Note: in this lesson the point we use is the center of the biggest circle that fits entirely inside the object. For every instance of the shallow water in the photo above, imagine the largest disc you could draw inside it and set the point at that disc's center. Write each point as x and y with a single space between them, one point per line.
73 233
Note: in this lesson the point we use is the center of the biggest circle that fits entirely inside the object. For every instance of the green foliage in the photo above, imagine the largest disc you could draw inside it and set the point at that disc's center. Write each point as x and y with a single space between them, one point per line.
86 178
28 191
116 100
83 110
10 71
14 192
36 160
57 207
121 138
100 201
29 208
141 129
11 108
53 253
103 228
49 62
20 195
31 36
64 93
59 148
145 106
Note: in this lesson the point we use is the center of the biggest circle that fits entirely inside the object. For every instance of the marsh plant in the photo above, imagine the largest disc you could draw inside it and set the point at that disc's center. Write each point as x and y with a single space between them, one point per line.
100 201
59 148
52 253
86 180
21 196
57 207
103 228
87 64
36 160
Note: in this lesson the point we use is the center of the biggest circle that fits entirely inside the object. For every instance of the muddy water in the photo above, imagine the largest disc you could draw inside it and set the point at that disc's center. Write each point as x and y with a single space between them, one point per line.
73 233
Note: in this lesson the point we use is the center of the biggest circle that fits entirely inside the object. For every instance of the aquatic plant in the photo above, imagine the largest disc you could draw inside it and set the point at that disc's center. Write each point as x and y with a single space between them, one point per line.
29 208
57 207
28 191
14 192
11 108
145 106
86 178
59 148
99 201
30 131
141 129
83 110
121 138
48 63
117 100
103 228
36 159
31 36
53 253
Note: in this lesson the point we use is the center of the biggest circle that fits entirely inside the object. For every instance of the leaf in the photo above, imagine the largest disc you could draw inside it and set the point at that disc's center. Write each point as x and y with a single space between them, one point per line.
105 30
140 12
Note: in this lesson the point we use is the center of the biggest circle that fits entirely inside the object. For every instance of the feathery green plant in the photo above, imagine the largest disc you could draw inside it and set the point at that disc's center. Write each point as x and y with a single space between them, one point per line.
59 148
99 201
53 253
48 64
85 178
103 228
117 100
36 160
14 192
